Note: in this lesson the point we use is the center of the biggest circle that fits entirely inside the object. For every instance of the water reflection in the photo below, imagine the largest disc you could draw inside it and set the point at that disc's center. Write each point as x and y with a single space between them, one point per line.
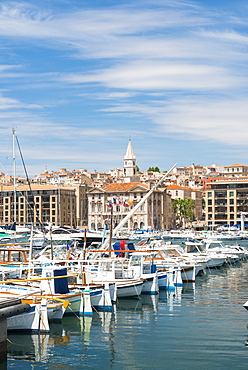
173 298
28 347
211 310
38 348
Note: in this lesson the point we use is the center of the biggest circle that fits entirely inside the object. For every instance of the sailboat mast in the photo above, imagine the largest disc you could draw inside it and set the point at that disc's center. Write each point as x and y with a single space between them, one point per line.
14 170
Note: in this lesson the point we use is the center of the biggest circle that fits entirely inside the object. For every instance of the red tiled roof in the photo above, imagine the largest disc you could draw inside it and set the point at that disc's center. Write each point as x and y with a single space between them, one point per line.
236 164
123 186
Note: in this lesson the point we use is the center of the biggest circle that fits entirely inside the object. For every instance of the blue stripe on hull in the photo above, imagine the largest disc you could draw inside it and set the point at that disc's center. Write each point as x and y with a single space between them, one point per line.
104 308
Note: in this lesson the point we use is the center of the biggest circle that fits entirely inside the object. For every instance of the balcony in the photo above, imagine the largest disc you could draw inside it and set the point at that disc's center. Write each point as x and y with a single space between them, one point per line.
221 217
220 202
221 195
221 210
242 194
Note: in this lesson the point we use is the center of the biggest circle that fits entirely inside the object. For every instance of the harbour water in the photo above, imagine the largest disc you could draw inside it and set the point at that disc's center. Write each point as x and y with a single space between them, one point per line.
199 326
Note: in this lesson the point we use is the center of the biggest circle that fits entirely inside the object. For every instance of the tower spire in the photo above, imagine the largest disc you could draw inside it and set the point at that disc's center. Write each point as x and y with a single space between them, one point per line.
130 169
130 152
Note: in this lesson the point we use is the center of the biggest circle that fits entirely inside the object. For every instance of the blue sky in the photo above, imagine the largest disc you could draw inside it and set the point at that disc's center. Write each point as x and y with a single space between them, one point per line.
78 78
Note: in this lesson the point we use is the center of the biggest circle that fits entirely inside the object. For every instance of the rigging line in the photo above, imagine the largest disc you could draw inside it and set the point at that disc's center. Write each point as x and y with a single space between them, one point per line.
29 184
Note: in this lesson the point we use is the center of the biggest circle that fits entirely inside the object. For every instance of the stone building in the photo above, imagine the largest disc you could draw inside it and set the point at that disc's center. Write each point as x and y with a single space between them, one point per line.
155 213
184 192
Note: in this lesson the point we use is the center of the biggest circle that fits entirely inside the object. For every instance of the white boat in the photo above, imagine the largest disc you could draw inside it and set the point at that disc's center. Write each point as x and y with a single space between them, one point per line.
128 288
217 247
245 305
66 234
34 320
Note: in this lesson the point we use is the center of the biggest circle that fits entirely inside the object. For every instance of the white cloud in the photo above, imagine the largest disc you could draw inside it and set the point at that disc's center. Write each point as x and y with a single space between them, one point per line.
161 76
9 103
132 61
222 120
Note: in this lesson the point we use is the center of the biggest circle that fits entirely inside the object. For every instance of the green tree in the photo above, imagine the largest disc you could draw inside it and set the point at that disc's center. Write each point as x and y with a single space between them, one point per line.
184 210
154 169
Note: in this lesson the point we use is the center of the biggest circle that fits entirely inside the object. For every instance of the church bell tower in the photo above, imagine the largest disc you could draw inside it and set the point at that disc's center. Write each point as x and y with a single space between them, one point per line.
130 169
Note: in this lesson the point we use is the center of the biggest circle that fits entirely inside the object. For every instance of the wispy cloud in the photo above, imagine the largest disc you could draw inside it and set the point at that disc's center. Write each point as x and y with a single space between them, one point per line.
76 75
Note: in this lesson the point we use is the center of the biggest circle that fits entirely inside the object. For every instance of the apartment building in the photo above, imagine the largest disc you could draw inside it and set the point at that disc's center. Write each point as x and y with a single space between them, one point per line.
44 203
226 198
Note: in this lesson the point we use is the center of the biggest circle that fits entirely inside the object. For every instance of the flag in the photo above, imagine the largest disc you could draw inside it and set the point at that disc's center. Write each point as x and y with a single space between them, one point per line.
109 203
114 200
125 204
130 202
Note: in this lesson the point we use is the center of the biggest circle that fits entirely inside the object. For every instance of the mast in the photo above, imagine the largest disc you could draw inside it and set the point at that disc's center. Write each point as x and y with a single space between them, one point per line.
130 214
14 169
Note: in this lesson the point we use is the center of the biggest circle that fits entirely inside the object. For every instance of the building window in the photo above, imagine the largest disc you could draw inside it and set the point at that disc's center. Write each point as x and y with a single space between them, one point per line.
209 194
93 208
209 202
231 201
231 193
